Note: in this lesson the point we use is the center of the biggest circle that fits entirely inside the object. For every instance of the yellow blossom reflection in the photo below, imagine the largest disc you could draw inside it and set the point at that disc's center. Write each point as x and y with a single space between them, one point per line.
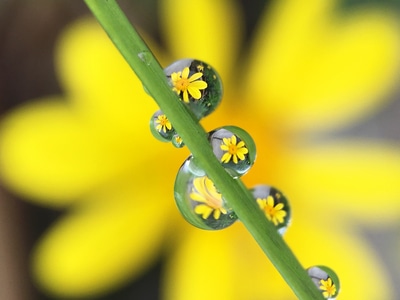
188 85
205 192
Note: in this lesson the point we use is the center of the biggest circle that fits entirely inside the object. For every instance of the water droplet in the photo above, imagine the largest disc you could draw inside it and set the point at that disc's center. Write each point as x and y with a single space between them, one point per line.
326 281
205 85
274 204
234 148
177 141
161 127
145 56
199 201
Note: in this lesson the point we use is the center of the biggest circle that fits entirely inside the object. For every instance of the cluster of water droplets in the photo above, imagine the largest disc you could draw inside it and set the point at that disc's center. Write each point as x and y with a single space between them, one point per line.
199 87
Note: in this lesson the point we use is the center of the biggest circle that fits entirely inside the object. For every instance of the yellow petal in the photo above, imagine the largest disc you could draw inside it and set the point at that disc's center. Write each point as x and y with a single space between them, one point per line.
195 76
96 78
194 92
50 154
185 73
322 67
201 85
226 157
196 263
244 272
341 248
203 210
211 34
352 179
46 152
56 152
100 246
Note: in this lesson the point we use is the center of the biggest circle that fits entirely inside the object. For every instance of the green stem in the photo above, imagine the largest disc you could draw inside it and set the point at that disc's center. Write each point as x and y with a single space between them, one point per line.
149 71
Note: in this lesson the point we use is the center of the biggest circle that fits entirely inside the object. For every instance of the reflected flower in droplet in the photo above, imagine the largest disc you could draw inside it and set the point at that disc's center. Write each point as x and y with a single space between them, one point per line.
188 86
197 84
274 204
198 200
325 280
234 148
210 199
161 127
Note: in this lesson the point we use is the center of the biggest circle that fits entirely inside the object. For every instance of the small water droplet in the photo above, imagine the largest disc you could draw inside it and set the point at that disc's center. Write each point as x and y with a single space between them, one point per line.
145 56
234 148
204 98
161 127
177 141
325 280
274 204
199 201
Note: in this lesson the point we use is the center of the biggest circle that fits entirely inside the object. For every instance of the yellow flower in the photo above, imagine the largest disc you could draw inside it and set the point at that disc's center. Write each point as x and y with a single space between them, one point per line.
205 192
328 287
163 123
274 213
178 140
233 150
308 70
188 85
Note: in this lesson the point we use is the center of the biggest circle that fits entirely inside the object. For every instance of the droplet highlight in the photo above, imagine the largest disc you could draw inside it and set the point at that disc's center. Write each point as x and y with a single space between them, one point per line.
145 56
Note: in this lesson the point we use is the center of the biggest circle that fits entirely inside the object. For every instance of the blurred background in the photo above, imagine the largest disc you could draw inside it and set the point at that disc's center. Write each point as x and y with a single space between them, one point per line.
28 32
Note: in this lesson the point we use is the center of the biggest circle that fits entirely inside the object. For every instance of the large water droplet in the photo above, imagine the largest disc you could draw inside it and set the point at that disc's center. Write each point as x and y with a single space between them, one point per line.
234 148
197 84
274 205
325 280
199 201
161 127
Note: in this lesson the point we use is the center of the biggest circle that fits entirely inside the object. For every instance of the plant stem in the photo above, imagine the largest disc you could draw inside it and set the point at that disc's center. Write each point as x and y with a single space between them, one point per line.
149 71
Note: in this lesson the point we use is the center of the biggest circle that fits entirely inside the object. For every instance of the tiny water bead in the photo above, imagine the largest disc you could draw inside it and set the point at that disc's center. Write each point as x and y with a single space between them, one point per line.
234 148
197 84
177 141
161 127
199 201
326 281
274 204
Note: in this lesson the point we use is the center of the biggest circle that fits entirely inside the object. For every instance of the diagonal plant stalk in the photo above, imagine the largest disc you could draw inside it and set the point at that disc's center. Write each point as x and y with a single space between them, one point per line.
149 71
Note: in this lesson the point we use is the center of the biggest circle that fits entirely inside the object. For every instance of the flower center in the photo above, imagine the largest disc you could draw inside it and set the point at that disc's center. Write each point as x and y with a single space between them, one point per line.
163 121
331 290
182 84
232 149
270 210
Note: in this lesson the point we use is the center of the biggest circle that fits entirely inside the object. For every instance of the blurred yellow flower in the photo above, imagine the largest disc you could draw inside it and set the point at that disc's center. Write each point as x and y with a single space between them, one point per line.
309 70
